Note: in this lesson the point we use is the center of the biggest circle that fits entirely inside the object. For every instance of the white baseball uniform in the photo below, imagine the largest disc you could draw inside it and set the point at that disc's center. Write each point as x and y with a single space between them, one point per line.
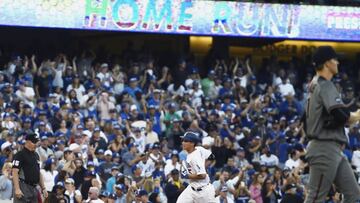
198 191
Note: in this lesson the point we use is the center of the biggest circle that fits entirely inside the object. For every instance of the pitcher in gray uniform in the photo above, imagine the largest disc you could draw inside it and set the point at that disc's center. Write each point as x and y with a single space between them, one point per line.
325 118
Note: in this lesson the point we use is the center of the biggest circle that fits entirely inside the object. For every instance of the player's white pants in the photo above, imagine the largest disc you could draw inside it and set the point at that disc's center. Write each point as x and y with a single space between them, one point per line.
206 195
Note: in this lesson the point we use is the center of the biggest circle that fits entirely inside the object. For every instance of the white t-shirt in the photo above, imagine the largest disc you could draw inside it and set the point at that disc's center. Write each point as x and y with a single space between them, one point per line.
147 168
170 166
140 142
269 161
49 179
23 95
195 164
79 91
229 184
196 97
286 89
151 137
356 160
72 195
94 201
229 200
290 163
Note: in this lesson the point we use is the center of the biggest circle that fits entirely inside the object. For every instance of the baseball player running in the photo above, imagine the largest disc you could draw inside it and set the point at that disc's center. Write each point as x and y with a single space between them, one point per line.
199 189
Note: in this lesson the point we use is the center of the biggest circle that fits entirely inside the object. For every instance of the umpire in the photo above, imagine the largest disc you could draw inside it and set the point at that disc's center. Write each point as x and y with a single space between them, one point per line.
325 118
26 172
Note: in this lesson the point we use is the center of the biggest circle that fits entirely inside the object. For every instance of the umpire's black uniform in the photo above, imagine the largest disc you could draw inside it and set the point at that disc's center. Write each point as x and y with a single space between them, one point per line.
28 164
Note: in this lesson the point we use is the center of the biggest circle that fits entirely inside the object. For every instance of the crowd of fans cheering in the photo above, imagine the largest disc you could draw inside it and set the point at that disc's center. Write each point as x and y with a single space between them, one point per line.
112 131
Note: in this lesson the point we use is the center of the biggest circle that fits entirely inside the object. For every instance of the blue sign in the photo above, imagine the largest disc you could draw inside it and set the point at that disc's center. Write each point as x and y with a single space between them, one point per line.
188 17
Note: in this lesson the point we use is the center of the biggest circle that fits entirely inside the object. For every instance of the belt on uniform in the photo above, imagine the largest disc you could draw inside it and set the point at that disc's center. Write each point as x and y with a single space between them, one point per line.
199 188
28 183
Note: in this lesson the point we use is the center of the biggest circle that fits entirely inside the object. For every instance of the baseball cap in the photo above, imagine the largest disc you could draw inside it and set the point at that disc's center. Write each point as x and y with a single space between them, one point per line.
133 79
290 186
108 153
120 187
90 173
59 185
69 181
132 145
174 172
33 137
134 167
100 151
190 137
141 193
49 161
60 142
116 127
104 194
156 145
50 134
5 145
157 90
59 134
104 65
67 149
116 155
133 107
90 164
323 54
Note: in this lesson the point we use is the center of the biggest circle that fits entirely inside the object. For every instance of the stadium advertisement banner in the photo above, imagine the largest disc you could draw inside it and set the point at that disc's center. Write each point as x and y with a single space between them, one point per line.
188 17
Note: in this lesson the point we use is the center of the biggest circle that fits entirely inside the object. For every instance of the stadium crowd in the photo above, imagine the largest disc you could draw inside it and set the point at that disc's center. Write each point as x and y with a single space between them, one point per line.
113 132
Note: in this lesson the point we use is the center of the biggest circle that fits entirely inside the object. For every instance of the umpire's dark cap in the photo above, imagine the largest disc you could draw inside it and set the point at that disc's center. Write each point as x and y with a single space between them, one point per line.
323 54
190 137
32 137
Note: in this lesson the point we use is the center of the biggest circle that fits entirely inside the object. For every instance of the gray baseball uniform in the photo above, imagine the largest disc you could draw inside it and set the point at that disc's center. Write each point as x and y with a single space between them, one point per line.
327 162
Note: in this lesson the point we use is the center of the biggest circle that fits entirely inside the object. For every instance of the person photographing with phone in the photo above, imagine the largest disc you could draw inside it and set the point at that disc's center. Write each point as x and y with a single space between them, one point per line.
199 189
26 172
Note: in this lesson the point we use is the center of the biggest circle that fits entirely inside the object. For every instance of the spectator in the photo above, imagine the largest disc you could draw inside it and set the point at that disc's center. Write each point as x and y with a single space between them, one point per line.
42 82
290 195
70 190
142 196
268 192
255 188
6 187
106 166
120 193
223 196
130 158
49 173
242 193
270 160
225 184
58 193
94 195
111 182
174 186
